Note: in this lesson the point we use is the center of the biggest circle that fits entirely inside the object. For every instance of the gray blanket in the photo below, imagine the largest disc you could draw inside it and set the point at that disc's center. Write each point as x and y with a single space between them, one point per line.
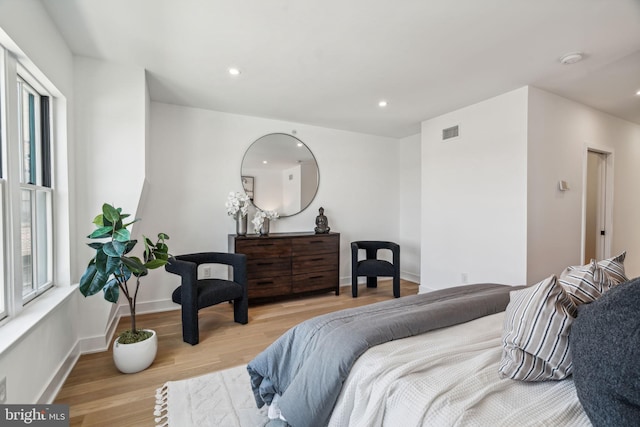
308 364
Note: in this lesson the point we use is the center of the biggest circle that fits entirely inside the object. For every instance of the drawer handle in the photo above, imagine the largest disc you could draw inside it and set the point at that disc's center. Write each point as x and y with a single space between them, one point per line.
318 259
265 282
262 264
264 244
315 277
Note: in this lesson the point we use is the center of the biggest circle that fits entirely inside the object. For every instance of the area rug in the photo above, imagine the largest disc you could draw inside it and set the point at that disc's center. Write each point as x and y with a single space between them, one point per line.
222 398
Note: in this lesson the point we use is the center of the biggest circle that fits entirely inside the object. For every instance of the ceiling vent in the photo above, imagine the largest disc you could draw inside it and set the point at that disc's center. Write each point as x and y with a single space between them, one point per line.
451 132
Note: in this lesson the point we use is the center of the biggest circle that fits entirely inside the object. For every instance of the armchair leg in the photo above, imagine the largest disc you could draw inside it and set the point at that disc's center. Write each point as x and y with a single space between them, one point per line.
396 287
354 286
190 331
241 311
372 282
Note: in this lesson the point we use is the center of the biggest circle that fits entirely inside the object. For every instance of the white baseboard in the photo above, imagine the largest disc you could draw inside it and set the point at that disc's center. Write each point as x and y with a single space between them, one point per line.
51 391
149 307
346 280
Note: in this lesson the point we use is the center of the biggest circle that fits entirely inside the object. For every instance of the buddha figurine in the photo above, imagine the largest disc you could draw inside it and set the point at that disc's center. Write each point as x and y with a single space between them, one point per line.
322 223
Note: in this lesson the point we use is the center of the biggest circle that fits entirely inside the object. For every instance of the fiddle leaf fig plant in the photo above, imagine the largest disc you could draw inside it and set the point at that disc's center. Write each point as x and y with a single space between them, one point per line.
112 268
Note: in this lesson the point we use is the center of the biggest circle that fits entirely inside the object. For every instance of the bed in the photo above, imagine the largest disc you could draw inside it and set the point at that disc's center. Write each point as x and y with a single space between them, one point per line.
475 368
449 377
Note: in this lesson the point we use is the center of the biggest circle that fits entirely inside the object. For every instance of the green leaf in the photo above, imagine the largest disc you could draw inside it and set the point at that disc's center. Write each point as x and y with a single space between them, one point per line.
121 235
134 265
125 275
114 248
101 261
99 221
95 245
100 233
110 213
155 263
161 248
92 281
113 264
130 245
163 236
111 291
129 223
162 255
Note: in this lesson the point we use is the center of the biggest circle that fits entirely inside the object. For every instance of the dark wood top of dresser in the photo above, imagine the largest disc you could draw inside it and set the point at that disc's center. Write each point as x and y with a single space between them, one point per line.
281 235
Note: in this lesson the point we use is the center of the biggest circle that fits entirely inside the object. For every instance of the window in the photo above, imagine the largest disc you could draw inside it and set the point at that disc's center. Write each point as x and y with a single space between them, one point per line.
26 190
35 189
3 239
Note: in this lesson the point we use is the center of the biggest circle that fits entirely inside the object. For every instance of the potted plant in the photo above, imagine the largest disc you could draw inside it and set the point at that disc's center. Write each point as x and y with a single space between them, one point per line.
112 269
261 221
237 205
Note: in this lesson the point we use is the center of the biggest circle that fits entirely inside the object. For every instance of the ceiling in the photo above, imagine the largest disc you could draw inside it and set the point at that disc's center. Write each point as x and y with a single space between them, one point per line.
328 63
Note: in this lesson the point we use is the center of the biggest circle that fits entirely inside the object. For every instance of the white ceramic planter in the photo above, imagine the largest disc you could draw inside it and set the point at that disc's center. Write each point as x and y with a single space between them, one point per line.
136 357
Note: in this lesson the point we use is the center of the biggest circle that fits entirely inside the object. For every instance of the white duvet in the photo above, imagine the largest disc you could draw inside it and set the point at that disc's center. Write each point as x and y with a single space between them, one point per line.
449 377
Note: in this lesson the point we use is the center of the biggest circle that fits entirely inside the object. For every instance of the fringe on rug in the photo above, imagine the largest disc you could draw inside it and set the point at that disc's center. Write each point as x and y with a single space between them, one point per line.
161 411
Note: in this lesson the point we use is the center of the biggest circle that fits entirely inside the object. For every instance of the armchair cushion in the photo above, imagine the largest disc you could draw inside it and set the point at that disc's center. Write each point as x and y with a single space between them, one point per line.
211 292
375 267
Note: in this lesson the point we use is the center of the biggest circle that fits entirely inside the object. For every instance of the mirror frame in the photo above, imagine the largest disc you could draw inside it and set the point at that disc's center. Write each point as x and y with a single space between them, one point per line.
312 156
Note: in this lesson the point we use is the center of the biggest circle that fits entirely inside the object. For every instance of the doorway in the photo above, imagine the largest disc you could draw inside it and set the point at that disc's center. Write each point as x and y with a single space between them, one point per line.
597 219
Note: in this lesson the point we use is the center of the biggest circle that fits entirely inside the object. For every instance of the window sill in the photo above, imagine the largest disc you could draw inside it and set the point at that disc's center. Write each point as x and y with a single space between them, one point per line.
32 314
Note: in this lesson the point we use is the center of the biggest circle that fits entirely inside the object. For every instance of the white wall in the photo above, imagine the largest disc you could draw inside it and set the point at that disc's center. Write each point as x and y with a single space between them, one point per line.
491 207
560 131
110 113
474 199
195 163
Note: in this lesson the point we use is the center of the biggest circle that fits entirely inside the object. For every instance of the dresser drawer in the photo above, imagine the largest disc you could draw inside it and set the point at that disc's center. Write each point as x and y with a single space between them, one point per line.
264 248
316 244
314 281
314 262
268 267
269 286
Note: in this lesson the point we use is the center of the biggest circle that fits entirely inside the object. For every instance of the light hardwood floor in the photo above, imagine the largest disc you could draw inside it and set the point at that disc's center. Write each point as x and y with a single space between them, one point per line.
99 395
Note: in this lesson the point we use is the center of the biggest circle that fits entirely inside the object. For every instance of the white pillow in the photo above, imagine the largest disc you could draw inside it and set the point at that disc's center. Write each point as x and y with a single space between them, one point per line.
536 330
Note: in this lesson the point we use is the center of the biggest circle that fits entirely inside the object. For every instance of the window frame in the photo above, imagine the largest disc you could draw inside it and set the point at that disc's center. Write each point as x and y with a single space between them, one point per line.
14 78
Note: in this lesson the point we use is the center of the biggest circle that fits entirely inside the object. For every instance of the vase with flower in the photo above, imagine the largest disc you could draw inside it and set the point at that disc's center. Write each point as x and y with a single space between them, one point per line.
238 206
261 221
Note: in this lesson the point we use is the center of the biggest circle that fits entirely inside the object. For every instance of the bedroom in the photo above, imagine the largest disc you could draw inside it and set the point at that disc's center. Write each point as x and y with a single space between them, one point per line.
399 208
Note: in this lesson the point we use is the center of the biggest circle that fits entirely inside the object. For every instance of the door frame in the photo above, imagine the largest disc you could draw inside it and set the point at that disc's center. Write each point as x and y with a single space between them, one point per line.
608 208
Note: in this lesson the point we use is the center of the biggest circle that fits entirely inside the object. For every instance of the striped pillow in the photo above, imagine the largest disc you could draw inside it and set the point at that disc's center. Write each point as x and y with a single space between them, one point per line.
615 267
587 283
536 333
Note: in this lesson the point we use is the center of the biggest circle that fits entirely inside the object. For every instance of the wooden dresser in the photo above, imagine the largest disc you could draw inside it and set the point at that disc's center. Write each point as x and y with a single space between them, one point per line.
283 264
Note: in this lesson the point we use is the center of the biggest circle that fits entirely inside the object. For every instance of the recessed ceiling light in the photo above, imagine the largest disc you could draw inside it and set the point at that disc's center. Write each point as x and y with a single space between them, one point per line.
571 58
638 92
234 71
264 162
299 144
382 103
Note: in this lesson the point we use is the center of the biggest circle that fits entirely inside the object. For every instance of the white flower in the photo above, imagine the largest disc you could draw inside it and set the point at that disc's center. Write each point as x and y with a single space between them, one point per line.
260 216
237 203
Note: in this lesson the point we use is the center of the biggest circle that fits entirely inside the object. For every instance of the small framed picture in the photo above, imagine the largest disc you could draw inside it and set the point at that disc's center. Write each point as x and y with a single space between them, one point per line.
247 185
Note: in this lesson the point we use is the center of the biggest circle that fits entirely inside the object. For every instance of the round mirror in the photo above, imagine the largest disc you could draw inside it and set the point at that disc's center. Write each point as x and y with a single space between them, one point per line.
279 173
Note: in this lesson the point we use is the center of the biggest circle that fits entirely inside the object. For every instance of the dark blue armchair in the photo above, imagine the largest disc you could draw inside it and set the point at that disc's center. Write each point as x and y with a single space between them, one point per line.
372 268
194 294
